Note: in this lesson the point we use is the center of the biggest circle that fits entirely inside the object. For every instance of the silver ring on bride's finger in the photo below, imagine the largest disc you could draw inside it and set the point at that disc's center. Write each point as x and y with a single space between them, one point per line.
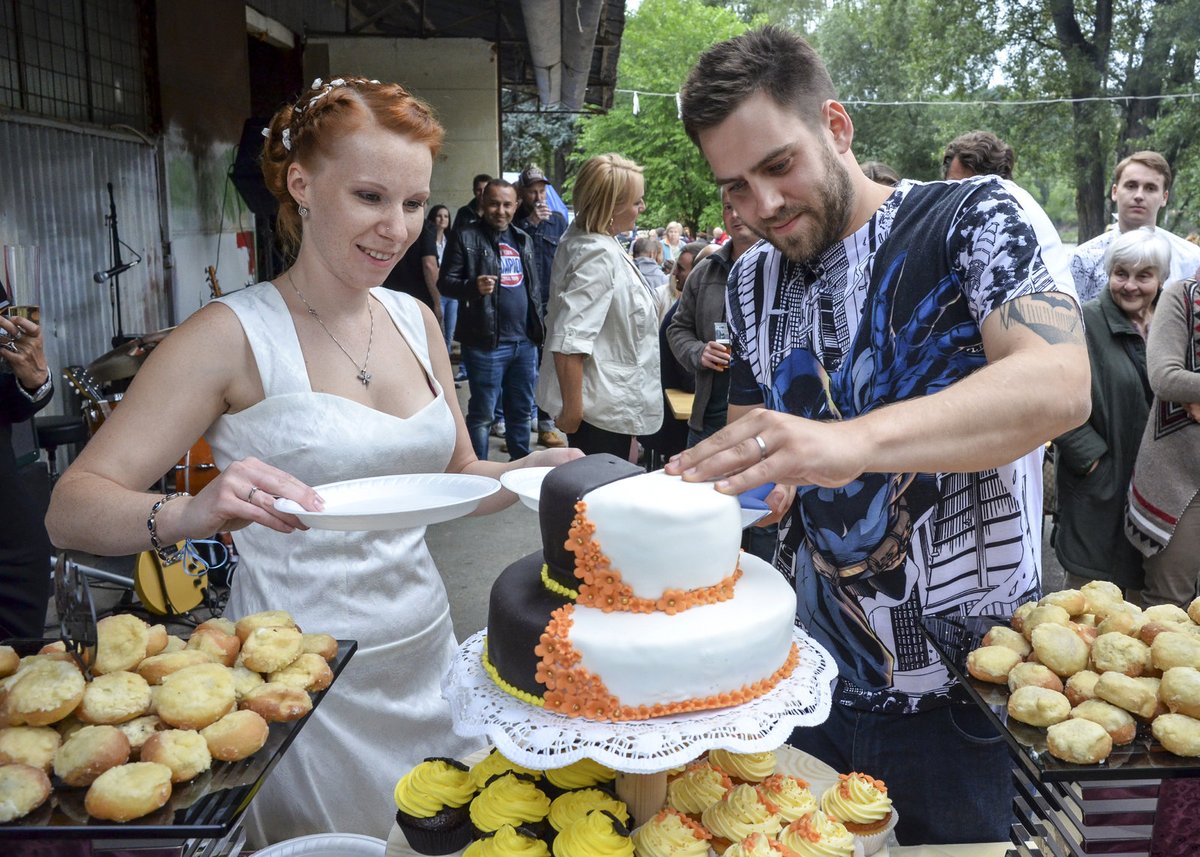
762 447
253 491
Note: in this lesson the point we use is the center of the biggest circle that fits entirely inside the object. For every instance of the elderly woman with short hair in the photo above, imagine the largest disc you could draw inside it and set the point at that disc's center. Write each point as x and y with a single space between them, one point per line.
600 362
1095 461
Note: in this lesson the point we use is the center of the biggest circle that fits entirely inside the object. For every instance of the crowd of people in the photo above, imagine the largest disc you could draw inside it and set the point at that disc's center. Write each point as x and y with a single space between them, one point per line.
888 357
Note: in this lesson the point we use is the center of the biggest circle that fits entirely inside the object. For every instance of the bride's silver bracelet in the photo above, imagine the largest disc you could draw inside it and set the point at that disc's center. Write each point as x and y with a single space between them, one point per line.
171 553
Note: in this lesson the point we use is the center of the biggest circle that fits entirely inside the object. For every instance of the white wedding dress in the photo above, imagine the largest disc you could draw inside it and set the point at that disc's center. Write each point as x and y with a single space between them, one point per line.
385 712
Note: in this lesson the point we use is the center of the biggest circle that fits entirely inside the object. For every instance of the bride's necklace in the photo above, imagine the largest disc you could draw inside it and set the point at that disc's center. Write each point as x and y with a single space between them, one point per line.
363 374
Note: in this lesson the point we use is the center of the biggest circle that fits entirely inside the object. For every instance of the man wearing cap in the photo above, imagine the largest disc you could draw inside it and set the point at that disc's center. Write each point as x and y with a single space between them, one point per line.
545 226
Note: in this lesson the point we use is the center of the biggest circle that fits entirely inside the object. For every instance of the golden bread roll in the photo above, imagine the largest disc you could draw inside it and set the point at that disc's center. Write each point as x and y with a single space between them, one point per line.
1149 631
1152 683
174 644
1038 706
129 791
1071 600
266 619
1176 649
236 736
1193 610
1179 690
1059 647
1018 616
1081 686
1122 622
222 647
245 680
1048 614
23 788
999 635
1178 733
114 698
90 752
1102 590
156 639
157 667
219 623
267 650
1087 633
29 745
1126 692
194 697
44 693
1034 675
139 729
58 647
184 751
992 663
9 661
277 703
1117 722
121 643
308 672
1119 653
1166 613
324 645
1079 741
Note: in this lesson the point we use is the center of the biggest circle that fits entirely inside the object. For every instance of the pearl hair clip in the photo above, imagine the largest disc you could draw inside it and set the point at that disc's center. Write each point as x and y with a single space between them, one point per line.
326 88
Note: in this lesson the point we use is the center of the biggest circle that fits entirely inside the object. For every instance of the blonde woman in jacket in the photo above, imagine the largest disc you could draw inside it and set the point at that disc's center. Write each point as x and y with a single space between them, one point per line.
600 361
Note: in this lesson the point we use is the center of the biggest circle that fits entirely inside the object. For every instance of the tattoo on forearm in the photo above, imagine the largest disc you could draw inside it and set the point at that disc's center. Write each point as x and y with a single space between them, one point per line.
1052 316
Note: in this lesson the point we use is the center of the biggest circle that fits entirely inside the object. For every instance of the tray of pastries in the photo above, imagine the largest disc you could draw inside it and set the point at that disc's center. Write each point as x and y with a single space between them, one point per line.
1084 685
153 736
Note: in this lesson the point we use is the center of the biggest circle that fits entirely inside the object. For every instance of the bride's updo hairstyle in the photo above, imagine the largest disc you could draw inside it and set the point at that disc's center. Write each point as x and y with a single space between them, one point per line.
306 130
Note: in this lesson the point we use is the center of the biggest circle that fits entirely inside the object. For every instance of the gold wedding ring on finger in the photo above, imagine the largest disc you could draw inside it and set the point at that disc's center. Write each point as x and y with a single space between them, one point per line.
762 447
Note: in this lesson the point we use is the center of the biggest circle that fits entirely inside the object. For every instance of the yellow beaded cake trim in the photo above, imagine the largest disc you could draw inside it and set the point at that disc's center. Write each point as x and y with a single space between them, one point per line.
556 587
511 690
604 589
576 692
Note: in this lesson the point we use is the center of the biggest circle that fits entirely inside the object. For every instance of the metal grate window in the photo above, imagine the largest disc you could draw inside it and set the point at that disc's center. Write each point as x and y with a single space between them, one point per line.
75 60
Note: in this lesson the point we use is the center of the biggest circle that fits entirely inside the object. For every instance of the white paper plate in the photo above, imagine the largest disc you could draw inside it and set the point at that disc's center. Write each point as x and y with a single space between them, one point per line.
327 845
526 483
394 502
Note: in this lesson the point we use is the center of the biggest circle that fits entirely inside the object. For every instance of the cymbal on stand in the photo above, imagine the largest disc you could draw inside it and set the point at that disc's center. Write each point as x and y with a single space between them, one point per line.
124 361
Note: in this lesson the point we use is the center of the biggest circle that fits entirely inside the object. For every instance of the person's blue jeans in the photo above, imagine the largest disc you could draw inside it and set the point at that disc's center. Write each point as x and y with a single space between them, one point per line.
508 374
449 319
947 770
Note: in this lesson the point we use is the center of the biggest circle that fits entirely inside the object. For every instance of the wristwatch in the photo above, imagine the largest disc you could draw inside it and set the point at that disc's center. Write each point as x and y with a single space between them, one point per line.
41 392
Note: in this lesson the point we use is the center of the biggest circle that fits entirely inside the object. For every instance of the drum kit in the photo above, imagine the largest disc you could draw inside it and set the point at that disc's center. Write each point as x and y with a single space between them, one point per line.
101 386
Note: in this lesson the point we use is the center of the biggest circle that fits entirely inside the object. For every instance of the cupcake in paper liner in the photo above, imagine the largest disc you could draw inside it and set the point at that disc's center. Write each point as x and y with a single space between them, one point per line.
790 795
819 835
597 834
696 789
431 806
759 845
512 799
671 834
749 768
739 813
508 841
861 803
571 806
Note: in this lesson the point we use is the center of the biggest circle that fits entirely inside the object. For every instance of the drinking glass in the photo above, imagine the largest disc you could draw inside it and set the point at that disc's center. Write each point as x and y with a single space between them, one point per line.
721 337
22 269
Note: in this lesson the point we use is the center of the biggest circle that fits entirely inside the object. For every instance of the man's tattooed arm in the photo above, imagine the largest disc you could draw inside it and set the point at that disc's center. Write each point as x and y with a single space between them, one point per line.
1051 315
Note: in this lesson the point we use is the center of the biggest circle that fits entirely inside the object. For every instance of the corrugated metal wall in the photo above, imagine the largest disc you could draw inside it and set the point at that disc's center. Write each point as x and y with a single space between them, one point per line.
53 193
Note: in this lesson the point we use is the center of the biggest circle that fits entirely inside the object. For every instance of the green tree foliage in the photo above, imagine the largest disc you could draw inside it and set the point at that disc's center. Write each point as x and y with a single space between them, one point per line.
544 138
661 42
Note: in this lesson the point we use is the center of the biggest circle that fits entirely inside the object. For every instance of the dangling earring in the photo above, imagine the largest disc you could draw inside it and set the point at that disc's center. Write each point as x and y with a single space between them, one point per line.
303 211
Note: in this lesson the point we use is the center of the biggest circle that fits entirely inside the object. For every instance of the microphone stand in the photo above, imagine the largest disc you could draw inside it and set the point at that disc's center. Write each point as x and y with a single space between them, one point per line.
114 286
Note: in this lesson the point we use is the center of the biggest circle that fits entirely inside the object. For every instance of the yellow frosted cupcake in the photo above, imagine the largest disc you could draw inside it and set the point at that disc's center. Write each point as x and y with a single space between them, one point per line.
597 834
571 806
739 813
495 763
671 834
861 803
743 767
580 775
696 789
818 835
790 795
508 842
431 806
510 799
759 845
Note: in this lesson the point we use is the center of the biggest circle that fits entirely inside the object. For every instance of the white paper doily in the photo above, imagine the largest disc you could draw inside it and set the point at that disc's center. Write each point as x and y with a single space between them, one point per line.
540 739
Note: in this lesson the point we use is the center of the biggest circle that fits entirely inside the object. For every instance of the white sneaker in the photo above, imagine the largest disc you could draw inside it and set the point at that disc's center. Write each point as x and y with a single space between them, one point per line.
498 428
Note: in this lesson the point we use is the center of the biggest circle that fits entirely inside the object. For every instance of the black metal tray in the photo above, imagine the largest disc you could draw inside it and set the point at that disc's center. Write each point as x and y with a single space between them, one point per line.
1144 758
205 808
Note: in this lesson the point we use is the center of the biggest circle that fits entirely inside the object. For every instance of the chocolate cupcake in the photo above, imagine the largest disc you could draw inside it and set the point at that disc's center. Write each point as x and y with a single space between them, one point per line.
431 802
512 799
571 806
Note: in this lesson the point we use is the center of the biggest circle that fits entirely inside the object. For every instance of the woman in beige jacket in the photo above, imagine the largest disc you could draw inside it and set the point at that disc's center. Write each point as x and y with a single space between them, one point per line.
600 361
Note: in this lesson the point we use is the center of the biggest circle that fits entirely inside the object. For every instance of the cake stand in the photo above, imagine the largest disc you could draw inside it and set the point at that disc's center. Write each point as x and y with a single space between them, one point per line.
644 750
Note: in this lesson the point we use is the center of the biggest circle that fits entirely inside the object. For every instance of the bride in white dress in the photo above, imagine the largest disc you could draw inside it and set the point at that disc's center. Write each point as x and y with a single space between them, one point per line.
315 377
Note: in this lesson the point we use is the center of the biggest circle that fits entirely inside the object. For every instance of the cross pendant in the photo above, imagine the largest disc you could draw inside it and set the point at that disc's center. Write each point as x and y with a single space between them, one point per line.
364 376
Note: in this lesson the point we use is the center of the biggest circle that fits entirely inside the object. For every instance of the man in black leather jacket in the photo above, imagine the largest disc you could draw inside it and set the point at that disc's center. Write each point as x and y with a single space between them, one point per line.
489 267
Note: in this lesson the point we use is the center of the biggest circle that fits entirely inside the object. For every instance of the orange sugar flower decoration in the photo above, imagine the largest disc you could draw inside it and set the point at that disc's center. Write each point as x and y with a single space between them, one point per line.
671 601
804 827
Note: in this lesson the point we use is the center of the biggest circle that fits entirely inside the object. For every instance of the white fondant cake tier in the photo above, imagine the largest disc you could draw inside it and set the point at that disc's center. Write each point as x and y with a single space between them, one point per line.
652 658
662 533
